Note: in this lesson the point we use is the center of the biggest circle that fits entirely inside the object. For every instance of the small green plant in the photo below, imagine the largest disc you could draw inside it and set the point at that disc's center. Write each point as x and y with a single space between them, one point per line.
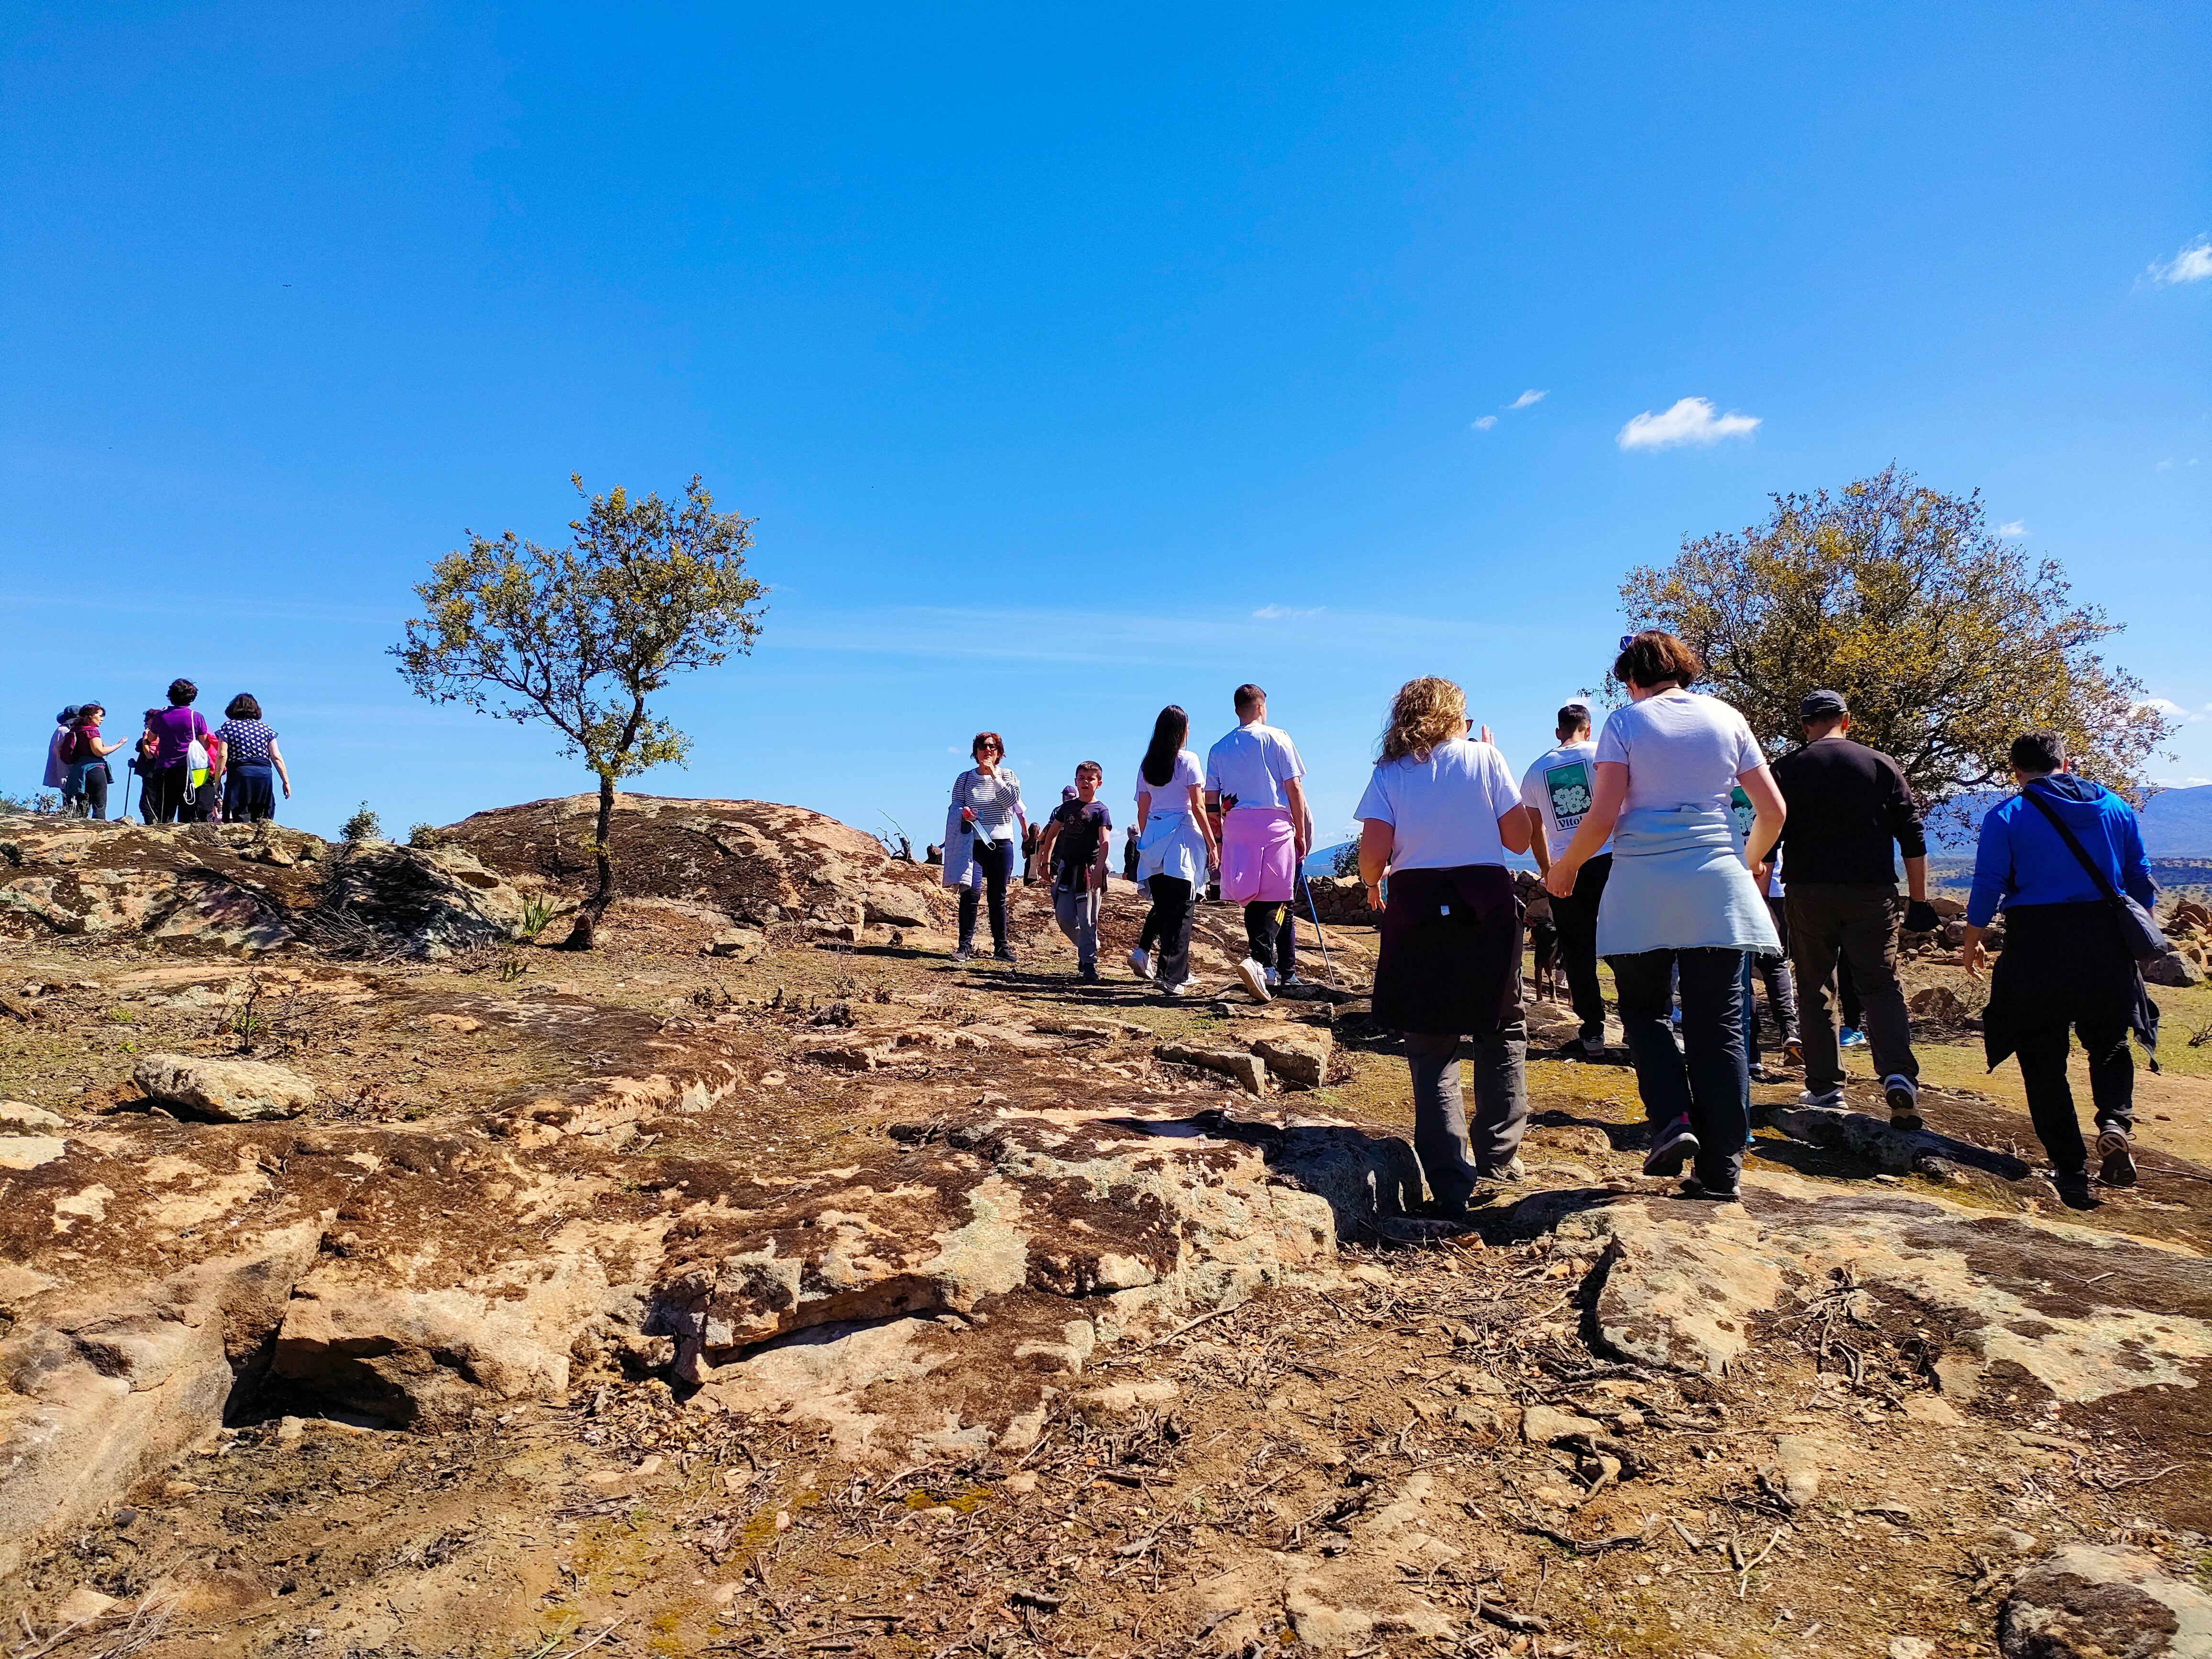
121 1016
1343 862
426 835
511 968
536 916
363 825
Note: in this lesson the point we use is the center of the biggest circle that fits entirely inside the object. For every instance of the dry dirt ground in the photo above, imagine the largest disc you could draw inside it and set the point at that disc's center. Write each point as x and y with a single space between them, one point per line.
1843 1418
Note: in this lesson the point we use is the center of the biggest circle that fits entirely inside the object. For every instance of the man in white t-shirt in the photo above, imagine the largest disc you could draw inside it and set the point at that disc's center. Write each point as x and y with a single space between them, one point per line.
1557 790
1252 777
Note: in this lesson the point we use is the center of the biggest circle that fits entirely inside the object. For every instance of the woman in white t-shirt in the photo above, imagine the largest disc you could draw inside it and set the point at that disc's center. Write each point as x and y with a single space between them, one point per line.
1680 901
1174 846
983 828
1440 814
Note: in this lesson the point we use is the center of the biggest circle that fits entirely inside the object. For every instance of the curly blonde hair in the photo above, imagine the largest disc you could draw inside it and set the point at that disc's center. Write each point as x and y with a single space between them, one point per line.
1425 713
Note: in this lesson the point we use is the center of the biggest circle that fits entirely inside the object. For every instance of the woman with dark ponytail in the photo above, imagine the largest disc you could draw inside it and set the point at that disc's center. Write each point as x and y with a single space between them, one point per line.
1175 847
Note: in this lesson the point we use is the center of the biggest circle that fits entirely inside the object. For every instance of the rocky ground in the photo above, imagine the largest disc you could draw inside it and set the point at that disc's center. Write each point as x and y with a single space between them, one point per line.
377 1280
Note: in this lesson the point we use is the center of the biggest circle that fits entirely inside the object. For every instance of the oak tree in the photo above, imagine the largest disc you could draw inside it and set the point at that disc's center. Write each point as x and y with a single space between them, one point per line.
579 637
1947 640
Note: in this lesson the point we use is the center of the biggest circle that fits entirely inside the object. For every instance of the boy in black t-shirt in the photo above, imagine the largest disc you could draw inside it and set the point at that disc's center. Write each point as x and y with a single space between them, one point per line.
1078 838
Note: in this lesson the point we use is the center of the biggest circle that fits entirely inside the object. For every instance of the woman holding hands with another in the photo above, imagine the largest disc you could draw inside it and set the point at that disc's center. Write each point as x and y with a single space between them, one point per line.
1680 896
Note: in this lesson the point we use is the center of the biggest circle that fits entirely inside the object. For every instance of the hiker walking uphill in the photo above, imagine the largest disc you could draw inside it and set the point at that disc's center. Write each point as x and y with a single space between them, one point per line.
2057 857
1680 901
1439 816
1174 842
1078 839
983 827
1849 806
1557 790
1252 777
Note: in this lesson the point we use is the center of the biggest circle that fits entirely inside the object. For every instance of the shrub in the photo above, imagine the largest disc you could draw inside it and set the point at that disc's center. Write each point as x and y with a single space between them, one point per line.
363 825
426 835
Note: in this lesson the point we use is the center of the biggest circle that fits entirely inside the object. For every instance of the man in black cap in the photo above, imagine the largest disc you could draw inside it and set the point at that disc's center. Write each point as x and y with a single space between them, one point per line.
1849 806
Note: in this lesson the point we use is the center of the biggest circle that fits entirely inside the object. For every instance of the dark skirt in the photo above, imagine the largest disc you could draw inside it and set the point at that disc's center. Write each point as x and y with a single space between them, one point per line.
1451 951
249 794
2063 964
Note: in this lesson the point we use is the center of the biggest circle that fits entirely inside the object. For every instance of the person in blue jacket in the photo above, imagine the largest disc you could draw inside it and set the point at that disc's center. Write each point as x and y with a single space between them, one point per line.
2065 964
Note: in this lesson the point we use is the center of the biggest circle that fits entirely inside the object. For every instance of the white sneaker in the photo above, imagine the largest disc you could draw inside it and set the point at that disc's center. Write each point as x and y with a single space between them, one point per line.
1830 1099
1140 964
1180 988
1255 980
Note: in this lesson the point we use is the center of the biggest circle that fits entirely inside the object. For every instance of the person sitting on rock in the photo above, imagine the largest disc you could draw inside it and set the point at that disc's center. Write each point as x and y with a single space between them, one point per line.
1078 838
1175 846
1440 813
1681 903
982 828
1252 777
2065 964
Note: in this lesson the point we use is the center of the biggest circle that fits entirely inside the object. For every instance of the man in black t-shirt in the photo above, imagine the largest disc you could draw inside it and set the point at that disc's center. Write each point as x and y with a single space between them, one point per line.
1077 840
1850 810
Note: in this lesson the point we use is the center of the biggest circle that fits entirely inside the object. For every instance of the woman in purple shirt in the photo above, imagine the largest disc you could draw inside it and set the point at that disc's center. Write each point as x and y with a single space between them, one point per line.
173 731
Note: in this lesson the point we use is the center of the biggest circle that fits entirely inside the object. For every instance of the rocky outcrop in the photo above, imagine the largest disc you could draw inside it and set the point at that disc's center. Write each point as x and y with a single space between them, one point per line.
753 861
189 886
427 902
2094 1602
229 1090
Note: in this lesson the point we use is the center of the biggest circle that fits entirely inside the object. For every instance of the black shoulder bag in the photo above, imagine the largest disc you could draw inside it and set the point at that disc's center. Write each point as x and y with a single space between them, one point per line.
2139 931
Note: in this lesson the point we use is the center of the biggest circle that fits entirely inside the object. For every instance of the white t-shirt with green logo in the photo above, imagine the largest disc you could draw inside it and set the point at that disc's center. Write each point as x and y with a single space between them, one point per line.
1560 785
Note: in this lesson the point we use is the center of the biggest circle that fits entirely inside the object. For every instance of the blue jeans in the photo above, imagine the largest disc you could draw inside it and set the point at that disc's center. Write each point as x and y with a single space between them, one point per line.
1707 1078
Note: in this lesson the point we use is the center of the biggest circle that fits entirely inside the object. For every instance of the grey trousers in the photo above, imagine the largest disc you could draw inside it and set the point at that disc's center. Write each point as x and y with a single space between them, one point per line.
1855 923
1440 1127
1079 919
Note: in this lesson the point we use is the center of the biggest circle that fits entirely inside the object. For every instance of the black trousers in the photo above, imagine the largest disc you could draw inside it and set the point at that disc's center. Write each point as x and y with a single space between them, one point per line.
1707 1078
1263 925
994 861
1576 916
2042 1055
165 793
1286 944
1169 923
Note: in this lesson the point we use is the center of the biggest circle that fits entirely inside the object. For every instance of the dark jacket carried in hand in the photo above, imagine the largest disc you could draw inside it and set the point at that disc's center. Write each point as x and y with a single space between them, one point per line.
1849 806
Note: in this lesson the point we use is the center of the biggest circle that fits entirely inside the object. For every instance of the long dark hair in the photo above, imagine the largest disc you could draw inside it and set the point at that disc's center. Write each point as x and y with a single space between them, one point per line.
1167 734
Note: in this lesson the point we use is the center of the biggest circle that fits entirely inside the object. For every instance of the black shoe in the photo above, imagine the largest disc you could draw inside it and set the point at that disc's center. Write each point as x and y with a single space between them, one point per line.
2073 1189
1904 1103
1695 1189
1676 1145
1002 954
962 952
1088 974
2118 1159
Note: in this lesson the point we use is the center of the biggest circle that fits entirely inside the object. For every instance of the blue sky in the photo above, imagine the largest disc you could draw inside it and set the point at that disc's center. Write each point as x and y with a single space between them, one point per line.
1072 363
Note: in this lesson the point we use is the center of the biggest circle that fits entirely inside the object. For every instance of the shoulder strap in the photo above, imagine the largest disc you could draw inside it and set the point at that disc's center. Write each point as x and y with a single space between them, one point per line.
2104 882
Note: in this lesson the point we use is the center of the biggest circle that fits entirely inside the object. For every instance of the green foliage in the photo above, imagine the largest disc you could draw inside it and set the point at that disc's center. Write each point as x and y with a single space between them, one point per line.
425 835
579 637
1345 861
536 916
363 825
1947 642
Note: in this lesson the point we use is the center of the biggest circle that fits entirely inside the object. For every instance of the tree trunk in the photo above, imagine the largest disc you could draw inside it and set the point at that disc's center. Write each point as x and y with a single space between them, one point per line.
587 919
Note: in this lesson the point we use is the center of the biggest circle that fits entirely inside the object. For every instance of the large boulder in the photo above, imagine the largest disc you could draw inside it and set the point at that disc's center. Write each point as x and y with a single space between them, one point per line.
2096 1601
427 902
233 1090
180 885
755 861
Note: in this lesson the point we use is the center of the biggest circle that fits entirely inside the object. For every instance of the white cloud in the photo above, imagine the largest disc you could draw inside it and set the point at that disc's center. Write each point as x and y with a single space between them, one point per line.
2014 530
2166 706
1691 421
2181 783
1284 613
2171 462
1528 398
2192 265
1489 421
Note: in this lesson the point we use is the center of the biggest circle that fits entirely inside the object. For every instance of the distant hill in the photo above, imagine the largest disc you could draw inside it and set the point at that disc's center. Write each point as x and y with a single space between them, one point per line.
2177 824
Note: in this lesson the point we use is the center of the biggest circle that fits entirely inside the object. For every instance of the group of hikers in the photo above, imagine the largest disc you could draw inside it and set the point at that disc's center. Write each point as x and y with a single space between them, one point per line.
188 771
1662 843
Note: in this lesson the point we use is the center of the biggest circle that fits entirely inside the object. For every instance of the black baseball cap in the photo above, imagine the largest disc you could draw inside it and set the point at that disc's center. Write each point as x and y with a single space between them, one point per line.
1823 706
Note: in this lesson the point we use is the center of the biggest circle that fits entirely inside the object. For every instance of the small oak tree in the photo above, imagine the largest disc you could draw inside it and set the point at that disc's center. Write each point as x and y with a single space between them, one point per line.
580 637
1947 642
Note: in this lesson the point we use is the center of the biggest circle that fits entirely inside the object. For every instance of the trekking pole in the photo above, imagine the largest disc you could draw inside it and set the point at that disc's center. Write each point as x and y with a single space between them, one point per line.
1314 911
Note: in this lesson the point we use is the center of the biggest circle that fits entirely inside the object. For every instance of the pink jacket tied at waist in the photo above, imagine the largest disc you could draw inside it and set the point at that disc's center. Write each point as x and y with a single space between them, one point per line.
1258 856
